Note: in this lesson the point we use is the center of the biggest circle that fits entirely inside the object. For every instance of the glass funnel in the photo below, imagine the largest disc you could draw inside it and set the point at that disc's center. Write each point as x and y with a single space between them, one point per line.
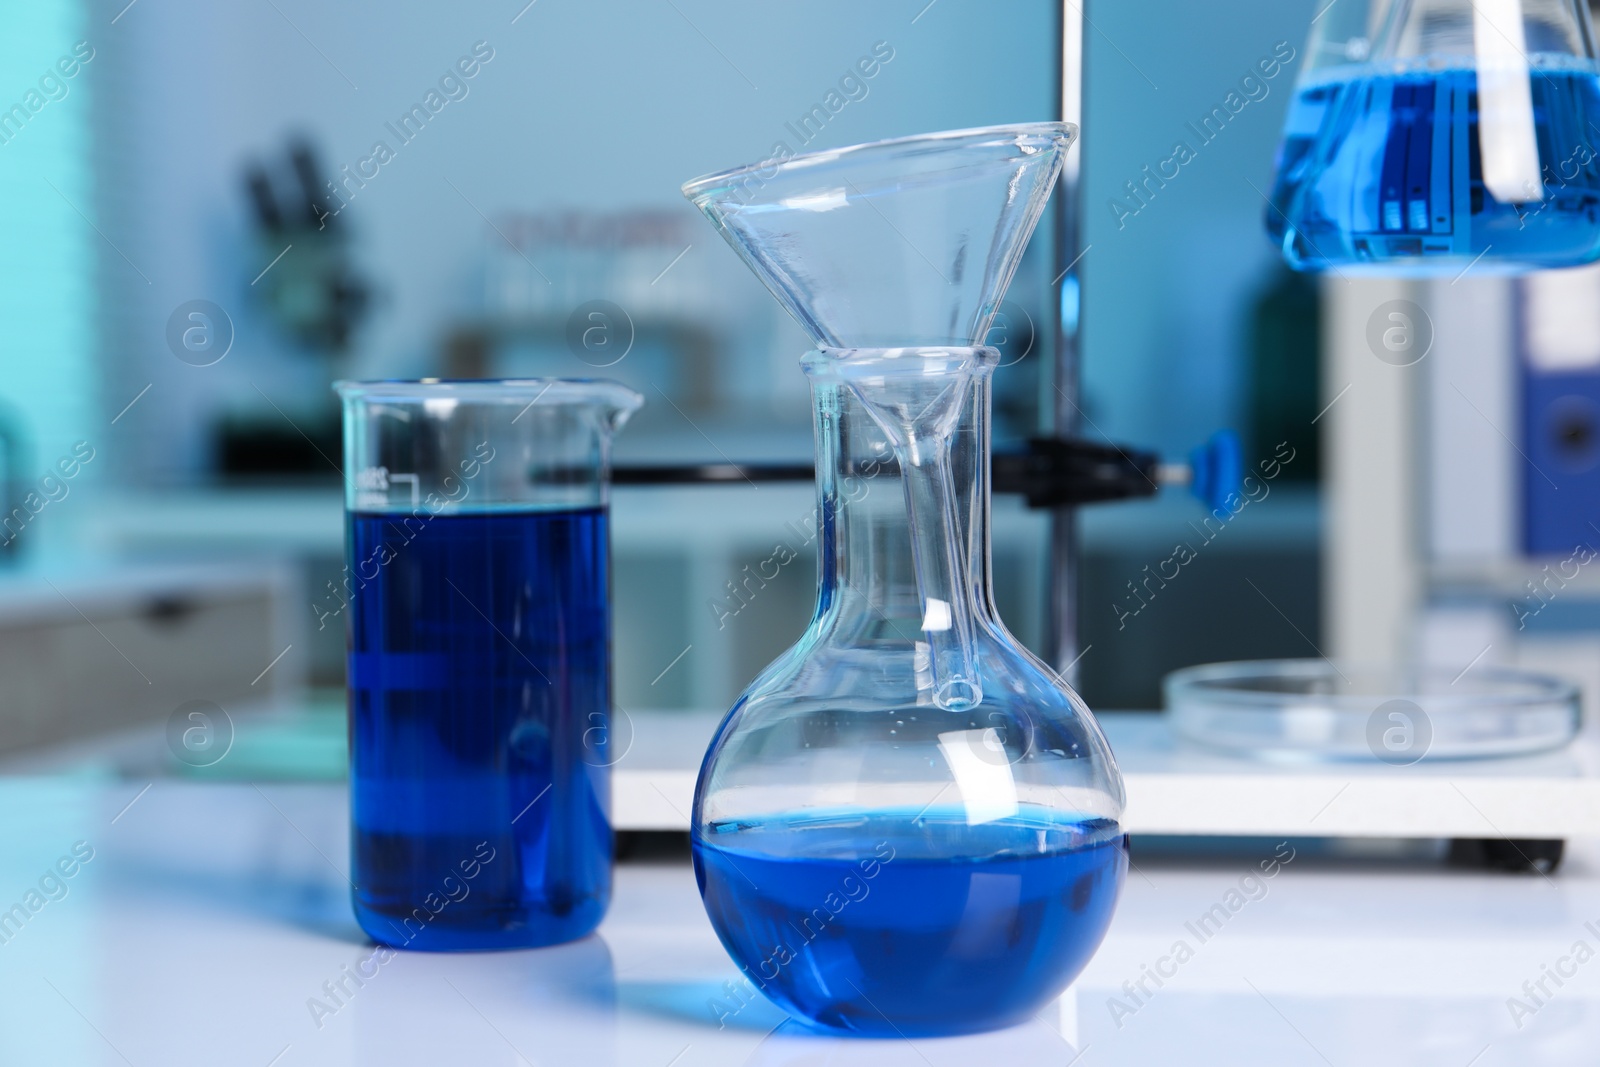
907 824
1427 135
479 624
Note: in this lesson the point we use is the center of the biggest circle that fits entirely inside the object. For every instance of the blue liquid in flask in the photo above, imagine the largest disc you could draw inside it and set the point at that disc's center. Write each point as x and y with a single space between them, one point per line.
479 699
852 920
1384 168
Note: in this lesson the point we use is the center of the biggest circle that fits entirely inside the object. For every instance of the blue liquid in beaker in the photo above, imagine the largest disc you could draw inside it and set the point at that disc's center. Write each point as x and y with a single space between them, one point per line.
844 919
1384 169
479 698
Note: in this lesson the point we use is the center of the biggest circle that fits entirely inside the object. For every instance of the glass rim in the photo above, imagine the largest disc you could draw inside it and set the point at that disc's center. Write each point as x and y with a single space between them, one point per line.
494 390
1041 133
899 361
1248 685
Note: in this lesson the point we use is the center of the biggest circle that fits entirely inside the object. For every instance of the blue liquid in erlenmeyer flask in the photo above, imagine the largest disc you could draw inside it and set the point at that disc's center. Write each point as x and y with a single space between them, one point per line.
479 670
1384 168
850 920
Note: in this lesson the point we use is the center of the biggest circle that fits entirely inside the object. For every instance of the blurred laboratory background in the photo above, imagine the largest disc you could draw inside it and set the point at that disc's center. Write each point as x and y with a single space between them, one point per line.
222 209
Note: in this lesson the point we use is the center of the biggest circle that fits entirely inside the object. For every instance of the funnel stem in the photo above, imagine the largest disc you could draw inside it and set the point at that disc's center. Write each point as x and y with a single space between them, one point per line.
941 570
916 396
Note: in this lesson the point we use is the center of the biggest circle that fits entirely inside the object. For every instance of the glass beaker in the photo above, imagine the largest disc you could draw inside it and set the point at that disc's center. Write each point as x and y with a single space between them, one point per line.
907 824
476 549
1427 135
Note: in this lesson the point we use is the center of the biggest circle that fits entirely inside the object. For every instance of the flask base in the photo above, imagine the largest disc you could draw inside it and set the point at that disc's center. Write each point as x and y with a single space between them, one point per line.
904 923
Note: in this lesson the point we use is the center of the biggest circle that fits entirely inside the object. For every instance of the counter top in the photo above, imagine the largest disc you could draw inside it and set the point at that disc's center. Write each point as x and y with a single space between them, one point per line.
1175 787
210 915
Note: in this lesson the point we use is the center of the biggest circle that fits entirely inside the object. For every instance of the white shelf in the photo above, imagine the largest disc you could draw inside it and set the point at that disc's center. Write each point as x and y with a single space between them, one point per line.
1174 788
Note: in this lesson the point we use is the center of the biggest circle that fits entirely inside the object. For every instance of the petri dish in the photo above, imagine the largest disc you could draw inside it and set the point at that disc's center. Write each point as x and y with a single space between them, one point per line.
1317 710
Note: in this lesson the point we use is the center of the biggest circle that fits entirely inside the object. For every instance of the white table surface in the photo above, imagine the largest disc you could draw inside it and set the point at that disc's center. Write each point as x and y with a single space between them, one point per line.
211 913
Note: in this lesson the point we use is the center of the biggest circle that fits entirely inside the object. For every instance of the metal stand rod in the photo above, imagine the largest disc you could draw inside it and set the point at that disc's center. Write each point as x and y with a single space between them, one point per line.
1063 622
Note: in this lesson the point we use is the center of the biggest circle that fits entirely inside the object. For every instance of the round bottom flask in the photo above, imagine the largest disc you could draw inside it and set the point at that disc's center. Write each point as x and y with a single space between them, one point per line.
908 825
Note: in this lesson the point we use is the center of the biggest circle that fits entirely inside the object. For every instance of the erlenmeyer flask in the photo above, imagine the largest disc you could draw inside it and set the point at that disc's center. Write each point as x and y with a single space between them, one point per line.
1426 135
907 824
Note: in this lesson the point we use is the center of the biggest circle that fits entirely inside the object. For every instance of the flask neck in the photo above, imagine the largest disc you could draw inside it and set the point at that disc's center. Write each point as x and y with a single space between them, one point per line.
867 587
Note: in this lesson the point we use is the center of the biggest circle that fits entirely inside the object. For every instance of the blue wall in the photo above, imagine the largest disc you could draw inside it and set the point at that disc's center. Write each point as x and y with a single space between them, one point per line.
610 104
1167 289
48 218
600 104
